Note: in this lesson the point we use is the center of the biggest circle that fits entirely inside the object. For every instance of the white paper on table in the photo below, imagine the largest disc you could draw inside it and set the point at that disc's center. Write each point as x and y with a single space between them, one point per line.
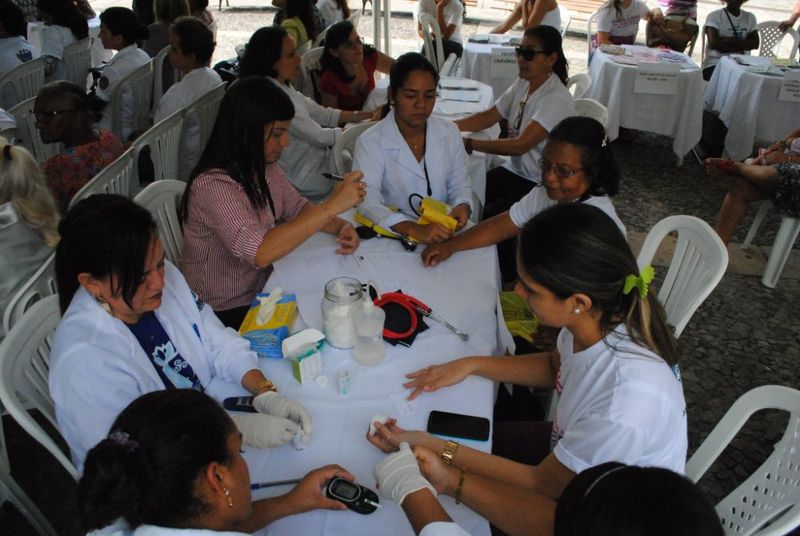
293 270
454 108
790 87
459 95
460 83
657 78
504 63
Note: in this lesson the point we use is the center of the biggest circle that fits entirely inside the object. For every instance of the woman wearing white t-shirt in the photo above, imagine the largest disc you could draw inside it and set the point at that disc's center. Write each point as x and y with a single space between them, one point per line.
729 30
532 13
578 166
535 103
618 21
612 367
450 16
63 25
333 11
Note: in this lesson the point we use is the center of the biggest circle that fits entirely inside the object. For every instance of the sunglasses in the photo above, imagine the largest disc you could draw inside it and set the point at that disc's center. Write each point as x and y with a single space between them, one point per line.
527 53
561 171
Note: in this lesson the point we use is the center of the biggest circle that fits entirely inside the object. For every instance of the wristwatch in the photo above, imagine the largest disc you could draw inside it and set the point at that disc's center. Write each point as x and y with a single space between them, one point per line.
265 387
449 452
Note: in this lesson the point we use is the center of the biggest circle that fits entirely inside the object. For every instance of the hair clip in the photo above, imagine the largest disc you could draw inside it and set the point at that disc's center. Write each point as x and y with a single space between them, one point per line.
124 440
7 152
641 282
604 142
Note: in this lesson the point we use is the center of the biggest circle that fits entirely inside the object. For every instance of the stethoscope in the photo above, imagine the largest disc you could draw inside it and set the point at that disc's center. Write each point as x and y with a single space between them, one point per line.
425 169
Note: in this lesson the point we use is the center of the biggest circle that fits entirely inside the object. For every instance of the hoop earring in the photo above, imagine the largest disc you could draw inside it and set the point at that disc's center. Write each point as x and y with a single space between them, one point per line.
103 303
228 496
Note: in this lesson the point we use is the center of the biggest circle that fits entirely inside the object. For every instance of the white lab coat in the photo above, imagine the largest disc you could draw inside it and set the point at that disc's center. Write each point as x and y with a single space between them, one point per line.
98 367
311 136
120 528
392 173
121 65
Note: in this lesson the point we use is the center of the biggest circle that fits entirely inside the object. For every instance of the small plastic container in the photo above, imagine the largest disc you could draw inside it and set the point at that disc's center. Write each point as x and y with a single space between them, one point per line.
369 349
342 301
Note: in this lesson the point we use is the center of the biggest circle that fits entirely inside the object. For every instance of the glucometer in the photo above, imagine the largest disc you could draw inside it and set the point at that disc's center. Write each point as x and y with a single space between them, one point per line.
356 497
239 403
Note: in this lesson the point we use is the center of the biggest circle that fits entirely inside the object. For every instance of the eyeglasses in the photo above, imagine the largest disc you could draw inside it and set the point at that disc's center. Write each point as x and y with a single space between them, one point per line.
527 53
46 117
561 171
353 44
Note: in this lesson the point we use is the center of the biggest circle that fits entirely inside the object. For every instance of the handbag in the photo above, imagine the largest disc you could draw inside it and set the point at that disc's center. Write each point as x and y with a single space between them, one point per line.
674 32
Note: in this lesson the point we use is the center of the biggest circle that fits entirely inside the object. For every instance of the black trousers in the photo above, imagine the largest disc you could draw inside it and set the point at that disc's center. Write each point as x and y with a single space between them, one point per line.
449 47
503 189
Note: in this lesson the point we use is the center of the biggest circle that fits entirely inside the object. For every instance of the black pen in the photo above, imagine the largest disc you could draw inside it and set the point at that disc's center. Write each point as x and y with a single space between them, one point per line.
261 485
333 177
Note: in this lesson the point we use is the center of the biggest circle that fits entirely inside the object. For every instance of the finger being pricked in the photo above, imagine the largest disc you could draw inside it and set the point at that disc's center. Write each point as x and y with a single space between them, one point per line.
382 438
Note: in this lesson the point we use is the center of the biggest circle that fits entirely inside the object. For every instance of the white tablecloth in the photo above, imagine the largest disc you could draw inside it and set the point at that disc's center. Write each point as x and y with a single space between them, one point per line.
476 63
99 54
463 291
748 105
679 116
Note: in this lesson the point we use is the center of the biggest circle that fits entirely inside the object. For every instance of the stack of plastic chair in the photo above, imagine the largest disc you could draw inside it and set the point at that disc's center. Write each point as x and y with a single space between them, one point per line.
163 199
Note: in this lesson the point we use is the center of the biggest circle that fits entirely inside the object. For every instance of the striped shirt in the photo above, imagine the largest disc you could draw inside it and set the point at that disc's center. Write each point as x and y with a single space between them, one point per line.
223 231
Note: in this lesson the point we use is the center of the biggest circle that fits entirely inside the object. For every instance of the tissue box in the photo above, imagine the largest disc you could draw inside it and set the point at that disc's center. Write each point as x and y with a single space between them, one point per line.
266 339
304 351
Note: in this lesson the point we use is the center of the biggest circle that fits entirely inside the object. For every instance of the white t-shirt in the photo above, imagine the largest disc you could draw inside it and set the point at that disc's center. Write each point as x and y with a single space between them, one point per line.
7 120
121 65
739 27
548 105
54 40
330 11
453 14
537 200
14 51
552 18
618 402
624 25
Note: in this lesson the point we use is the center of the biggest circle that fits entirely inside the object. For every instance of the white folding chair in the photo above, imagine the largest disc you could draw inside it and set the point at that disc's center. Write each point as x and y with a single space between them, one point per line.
201 114
21 83
781 248
770 39
308 83
591 108
140 85
432 36
162 144
344 147
41 284
581 82
117 178
78 60
697 265
771 494
24 370
163 199
566 18
28 135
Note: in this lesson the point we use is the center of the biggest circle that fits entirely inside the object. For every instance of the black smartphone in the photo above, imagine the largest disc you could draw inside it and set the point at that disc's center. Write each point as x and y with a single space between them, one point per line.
458 425
355 496
239 403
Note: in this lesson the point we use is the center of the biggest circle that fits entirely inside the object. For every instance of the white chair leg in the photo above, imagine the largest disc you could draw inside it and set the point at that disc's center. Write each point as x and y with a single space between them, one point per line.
11 491
784 240
751 234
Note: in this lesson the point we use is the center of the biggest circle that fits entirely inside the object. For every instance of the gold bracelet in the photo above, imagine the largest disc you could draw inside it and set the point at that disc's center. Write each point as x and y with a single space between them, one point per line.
449 452
265 387
457 494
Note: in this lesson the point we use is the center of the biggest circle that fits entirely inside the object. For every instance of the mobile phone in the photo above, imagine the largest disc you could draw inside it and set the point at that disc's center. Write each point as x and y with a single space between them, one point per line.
355 496
458 425
239 403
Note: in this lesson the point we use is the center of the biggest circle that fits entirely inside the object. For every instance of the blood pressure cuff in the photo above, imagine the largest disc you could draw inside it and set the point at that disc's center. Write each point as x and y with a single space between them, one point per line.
400 318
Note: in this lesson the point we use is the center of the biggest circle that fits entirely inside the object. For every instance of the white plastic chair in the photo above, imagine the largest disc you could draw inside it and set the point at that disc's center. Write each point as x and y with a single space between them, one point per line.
11 134
117 178
24 370
771 494
140 83
344 147
203 114
432 36
449 65
781 248
581 82
321 37
770 38
697 265
163 199
591 108
566 18
78 60
308 83
41 284
355 17
21 83
164 143
589 23
158 76
28 135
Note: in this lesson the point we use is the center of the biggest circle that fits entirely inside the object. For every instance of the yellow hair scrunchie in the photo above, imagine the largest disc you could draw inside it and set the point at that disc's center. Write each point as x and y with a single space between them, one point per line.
641 282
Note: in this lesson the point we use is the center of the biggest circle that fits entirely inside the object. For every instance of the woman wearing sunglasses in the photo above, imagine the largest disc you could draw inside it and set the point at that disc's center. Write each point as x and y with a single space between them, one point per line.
577 165
533 105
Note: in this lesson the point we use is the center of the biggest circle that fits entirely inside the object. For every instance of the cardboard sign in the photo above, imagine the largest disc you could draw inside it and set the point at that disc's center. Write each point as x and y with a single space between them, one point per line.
657 78
504 63
790 87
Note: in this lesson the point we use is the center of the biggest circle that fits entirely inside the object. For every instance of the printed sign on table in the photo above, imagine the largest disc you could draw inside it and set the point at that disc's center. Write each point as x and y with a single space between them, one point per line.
790 87
504 63
657 78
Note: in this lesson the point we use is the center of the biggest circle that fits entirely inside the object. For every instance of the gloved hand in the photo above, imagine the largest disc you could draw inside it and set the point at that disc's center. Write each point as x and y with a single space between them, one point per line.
271 403
398 475
264 431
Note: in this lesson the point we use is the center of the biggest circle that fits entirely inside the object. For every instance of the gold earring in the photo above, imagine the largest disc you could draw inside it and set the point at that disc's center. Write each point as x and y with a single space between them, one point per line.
228 496
103 303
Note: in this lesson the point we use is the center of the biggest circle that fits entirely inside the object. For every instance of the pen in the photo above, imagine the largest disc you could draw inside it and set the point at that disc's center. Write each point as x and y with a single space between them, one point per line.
261 485
333 177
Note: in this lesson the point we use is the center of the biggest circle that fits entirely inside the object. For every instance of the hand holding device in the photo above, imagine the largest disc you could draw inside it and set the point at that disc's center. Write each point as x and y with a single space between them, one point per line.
355 496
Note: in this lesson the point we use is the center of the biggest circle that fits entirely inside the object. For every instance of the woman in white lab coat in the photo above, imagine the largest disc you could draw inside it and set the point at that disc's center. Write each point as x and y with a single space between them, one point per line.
413 152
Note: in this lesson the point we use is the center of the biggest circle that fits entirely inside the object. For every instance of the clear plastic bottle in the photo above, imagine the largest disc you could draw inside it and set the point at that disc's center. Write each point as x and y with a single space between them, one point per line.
341 303
369 349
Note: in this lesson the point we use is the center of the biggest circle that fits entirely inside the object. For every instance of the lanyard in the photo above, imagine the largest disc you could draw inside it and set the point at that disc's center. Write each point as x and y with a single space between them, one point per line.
424 160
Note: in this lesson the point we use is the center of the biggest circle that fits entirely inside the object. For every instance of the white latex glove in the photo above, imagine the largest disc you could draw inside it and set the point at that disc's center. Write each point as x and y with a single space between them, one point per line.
264 431
398 475
271 403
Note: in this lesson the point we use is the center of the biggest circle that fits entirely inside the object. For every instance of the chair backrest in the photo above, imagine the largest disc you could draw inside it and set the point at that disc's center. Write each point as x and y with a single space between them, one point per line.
308 82
160 63
449 65
41 284
21 83
345 146
321 37
140 85
566 18
163 199
770 38
581 82
28 135
432 36
355 17
591 108
771 494
78 60
162 143
117 178
24 371
203 113
11 134
589 23
697 265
